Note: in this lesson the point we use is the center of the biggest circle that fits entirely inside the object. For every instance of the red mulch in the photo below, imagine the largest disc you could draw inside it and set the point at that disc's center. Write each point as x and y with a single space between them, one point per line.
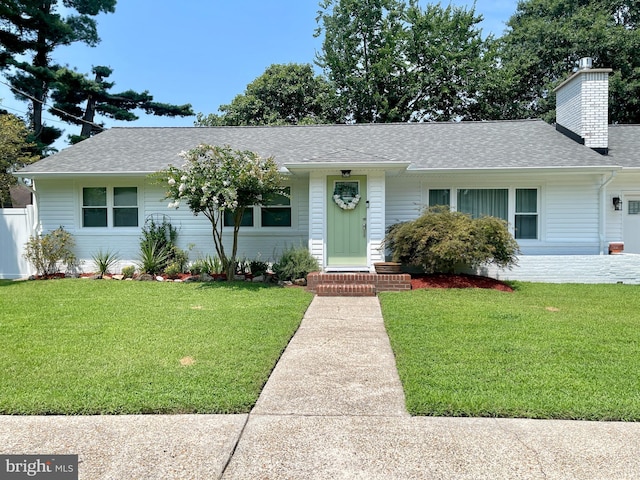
457 281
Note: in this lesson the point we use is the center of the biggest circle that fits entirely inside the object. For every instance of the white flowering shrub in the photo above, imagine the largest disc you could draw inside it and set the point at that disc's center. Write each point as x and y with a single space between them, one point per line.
214 179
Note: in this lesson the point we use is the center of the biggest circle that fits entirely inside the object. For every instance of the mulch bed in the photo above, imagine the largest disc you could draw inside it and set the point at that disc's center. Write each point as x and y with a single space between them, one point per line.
457 281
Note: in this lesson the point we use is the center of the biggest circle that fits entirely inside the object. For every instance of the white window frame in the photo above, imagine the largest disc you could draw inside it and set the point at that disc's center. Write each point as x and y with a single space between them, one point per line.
257 216
109 206
511 207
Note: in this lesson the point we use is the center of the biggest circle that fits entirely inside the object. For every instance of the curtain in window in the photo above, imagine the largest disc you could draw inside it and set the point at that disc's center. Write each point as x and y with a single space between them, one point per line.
439 197
526 214
484 202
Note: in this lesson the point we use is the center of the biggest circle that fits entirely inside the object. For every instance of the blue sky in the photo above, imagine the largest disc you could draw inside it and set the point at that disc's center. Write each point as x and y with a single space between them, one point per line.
206 52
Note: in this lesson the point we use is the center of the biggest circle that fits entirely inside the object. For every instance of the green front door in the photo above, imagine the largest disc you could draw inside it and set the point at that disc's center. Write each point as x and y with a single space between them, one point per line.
347 221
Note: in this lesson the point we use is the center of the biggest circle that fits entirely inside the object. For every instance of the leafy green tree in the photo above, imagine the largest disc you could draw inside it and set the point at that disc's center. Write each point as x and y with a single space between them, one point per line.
544 40
83 98
285 94
448 63
393 61
29 33
363 56
216 179
15 152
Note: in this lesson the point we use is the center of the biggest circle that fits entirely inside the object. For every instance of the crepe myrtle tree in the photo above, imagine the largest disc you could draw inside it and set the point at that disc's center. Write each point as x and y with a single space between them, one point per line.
216 179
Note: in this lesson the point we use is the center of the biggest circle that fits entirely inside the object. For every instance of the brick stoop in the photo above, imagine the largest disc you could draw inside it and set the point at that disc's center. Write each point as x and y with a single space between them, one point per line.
356 284
341 290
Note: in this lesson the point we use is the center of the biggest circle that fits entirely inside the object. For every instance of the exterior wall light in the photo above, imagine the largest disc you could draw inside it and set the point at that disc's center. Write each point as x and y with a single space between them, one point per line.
617 203
346 173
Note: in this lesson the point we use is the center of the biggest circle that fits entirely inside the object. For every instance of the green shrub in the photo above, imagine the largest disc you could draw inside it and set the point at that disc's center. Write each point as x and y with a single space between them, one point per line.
50 251
157 243
197 267
209 264
212 265
440 241
179 257
104 261
160 237
128 271
173 270
153 258
258 267
295 263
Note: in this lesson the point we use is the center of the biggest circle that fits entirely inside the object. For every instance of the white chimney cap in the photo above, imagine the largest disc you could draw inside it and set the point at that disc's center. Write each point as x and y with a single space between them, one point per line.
585 63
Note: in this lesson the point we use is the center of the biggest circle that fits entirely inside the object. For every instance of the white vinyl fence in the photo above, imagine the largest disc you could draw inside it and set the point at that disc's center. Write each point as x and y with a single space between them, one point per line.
16 226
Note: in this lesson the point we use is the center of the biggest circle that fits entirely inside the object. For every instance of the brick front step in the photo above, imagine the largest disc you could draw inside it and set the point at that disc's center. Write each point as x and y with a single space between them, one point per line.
338 290
366 281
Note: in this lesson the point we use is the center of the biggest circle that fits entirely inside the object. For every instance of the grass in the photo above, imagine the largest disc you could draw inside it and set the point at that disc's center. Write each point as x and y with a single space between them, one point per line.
108 347
544 351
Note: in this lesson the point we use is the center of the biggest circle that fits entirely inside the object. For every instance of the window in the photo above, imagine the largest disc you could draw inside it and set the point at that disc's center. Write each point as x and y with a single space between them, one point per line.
526 220
125 207
439 197
94 207
102 206
522 215
634 207
484 202
275 211
247 218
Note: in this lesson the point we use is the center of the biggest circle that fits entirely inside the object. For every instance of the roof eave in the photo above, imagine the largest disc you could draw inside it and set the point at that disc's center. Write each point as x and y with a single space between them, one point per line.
307 166
27 174
550 169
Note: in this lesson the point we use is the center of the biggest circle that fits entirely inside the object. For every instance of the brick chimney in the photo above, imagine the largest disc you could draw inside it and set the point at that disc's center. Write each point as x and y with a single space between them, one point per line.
582 106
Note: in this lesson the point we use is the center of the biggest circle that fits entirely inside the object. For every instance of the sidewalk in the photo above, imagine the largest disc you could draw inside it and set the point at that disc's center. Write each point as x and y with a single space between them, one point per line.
332 408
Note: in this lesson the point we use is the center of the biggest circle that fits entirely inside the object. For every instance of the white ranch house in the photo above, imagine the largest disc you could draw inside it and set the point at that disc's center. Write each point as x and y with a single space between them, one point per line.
567 192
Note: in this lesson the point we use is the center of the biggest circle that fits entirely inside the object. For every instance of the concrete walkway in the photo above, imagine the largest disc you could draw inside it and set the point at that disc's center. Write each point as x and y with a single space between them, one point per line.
333 408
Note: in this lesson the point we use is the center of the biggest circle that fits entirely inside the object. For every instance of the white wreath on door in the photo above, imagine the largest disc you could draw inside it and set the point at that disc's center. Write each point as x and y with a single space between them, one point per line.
344 205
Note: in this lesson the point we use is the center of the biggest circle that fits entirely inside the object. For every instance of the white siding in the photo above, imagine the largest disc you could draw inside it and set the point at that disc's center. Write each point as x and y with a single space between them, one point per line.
60 205
56 204
376 214
572 218
568 214
404 199
317 202
623 185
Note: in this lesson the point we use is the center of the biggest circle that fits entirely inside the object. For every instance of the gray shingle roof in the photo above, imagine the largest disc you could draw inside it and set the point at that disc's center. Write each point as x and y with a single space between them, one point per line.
465 145
624 145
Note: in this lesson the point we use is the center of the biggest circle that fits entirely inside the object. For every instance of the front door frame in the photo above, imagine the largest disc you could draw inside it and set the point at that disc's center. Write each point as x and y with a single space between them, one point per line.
360 217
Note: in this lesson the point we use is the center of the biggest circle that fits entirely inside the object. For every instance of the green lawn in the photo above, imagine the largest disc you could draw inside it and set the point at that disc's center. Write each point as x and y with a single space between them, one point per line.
90 347
544 351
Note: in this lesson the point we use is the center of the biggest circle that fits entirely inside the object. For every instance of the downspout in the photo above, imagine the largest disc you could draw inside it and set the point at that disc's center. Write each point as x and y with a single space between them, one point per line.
36 214
603 210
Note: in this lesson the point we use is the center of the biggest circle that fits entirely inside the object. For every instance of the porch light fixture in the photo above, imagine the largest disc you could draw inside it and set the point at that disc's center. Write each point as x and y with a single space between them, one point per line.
346 173
617 203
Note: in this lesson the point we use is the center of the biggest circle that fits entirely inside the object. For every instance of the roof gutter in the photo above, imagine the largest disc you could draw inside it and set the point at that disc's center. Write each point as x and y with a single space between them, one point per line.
559 169
27 174
602 193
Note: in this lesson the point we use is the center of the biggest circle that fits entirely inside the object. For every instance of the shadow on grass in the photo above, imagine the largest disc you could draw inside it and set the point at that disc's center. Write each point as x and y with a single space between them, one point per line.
8 283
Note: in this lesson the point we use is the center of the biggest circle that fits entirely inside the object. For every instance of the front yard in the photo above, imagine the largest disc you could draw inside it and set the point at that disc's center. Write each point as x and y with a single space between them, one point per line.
89 347
544 351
